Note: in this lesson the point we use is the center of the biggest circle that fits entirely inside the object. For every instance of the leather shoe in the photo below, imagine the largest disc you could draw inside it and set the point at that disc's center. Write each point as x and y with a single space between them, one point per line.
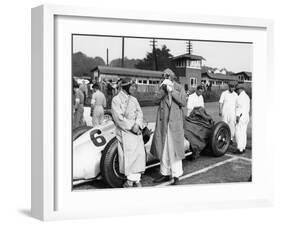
161 179
137 184
128 184
239 152
176 181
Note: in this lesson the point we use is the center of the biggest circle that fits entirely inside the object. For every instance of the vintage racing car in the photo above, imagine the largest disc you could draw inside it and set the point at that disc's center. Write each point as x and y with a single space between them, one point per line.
95 154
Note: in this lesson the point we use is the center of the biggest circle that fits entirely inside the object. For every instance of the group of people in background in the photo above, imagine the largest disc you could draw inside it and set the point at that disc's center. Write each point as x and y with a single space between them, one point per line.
90 94
168 139
78 98
234 108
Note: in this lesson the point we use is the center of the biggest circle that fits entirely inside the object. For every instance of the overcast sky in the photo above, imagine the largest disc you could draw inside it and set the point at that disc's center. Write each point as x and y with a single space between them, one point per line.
232 56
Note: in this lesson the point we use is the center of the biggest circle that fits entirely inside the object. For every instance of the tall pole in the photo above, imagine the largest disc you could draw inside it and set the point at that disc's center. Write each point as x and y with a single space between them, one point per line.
122 62
189 48
106 56
154 43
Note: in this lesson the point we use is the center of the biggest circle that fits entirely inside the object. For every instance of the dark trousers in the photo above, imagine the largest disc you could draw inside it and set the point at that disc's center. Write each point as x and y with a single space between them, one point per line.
108 101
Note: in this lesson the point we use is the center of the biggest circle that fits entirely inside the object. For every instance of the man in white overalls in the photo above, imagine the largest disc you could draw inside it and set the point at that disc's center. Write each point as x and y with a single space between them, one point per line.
242 118
227 105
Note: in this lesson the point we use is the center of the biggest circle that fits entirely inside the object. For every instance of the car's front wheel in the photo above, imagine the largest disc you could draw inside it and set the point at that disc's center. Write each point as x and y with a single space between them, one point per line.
110 165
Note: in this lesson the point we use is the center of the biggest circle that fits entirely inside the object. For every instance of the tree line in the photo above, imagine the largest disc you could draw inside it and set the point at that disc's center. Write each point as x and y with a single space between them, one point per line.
83 64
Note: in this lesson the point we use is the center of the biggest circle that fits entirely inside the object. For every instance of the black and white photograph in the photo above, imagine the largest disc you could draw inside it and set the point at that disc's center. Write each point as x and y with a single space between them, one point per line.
141 112
150 111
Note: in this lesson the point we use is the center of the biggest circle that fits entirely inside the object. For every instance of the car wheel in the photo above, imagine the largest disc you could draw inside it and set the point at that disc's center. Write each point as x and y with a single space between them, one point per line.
110 165
77 132
220 139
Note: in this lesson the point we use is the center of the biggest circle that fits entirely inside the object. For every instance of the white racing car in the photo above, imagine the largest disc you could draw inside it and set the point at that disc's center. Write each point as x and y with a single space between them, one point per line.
95 154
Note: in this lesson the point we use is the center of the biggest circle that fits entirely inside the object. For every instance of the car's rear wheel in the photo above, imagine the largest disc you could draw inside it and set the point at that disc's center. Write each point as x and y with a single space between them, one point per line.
110 165
220 139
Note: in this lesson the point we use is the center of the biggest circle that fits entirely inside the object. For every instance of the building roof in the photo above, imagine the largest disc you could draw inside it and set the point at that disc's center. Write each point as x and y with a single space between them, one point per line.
219 76
128 72
189 57
247 73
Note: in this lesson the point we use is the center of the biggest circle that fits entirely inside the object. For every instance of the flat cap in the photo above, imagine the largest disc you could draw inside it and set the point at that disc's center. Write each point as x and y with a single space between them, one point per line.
240 86
169 72
126 81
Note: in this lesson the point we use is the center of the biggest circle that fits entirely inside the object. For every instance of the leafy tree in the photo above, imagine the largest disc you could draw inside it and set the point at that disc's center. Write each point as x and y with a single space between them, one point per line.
82 64
128 63
164 60
212 69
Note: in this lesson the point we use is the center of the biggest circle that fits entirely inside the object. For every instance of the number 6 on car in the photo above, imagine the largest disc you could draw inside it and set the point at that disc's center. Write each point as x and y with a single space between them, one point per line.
97 140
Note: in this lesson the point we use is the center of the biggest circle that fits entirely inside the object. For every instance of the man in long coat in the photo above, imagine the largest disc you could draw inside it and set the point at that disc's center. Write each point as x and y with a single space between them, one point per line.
128 118
168 139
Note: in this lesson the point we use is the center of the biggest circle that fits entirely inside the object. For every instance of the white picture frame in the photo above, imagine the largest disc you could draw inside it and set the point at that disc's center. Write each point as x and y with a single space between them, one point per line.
52 197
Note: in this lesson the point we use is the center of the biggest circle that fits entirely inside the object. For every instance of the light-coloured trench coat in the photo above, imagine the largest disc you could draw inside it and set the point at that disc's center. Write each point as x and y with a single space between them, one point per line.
173 116
126 111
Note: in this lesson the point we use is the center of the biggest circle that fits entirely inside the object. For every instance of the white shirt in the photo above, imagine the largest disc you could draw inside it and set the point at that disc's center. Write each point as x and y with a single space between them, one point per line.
228 101
243 104
194 101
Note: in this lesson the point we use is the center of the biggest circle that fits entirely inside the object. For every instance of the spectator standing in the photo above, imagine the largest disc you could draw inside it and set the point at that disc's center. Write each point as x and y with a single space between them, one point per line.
109 93
227 105
242 118
187 92
114 88
78 106
195 100
203 84
98 104
210 86
84 88
118 86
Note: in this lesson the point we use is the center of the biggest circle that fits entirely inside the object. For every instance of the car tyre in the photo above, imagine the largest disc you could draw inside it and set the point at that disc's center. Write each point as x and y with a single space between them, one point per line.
220 139
109 165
